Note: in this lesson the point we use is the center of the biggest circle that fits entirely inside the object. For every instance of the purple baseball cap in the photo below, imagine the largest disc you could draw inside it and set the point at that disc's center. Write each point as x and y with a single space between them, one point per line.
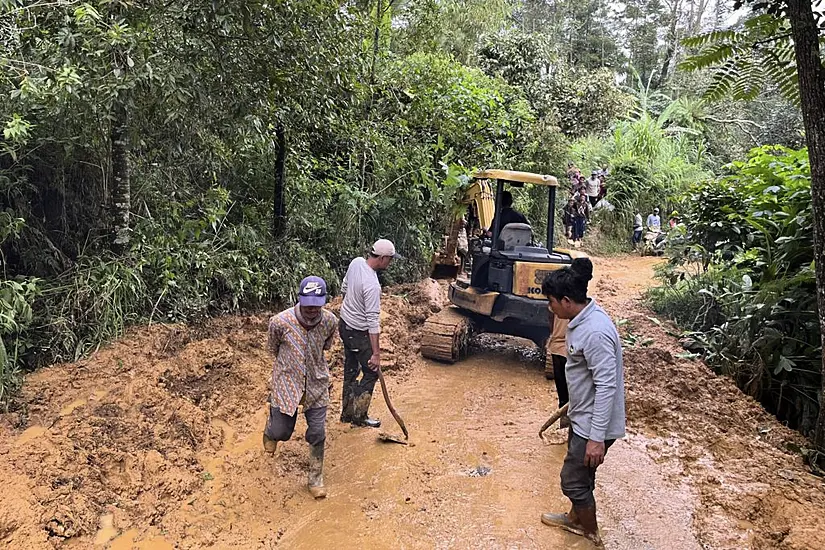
312 292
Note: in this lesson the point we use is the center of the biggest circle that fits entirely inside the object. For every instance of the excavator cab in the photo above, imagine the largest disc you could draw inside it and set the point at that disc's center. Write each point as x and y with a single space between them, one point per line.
503 292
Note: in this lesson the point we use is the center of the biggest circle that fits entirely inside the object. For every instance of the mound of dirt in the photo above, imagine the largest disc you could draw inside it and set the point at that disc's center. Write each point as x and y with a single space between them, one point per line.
124 428
404 308
132 432
737 454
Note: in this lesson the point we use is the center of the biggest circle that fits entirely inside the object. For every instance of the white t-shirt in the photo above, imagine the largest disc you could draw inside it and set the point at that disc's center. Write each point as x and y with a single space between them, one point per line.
592 186
361 309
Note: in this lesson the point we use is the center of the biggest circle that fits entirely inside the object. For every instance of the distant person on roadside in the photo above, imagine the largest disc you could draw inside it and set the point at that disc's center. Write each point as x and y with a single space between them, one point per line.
595 381
568 216
674 220
602 187
298 337
654 222
572 171
360 330
463 245
593 187
580 217
576 189
637 229
557 348
508 213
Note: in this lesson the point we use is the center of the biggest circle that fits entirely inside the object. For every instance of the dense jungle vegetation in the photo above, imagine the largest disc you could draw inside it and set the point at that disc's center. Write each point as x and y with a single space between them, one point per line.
166 161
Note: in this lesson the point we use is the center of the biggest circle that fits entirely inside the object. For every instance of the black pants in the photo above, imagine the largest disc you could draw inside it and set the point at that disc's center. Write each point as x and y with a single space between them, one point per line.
279 426
357 353
577 480
560 378
579 227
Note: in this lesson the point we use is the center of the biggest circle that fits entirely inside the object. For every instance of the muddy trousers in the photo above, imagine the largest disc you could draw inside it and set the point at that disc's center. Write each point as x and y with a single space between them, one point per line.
279 426
577 480
560 378
357 394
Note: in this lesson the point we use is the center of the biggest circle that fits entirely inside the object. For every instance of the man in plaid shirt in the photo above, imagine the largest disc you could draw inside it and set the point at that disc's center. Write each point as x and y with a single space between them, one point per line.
298 337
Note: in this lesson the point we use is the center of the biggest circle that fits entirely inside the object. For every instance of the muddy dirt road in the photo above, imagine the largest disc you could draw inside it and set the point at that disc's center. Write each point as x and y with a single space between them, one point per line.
154 442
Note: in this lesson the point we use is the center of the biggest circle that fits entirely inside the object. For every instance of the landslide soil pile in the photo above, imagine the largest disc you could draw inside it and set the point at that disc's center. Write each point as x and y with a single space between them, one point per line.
130 434
753 486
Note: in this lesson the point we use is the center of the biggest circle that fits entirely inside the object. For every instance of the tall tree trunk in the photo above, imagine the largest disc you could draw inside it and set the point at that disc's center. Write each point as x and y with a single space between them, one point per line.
121 181
278 208
812 95
671 44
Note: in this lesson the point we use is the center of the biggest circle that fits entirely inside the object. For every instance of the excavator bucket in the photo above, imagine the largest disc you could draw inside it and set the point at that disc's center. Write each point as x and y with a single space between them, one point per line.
444 271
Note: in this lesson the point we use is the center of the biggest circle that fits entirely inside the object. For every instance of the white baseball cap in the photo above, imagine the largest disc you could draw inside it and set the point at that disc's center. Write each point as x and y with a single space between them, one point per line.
384 247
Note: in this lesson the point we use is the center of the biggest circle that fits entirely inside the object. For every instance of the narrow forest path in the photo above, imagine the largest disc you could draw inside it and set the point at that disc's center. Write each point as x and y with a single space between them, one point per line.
154 442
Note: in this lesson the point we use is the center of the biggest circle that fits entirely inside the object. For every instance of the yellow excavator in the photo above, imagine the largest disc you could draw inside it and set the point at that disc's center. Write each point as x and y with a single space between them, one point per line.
503 292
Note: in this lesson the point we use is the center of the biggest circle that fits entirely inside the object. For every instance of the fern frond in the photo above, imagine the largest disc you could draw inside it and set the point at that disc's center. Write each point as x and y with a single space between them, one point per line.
708 57
722 81
713 37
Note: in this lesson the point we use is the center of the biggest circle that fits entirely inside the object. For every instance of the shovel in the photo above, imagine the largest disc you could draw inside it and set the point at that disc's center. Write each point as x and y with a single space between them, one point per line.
383 436
550 421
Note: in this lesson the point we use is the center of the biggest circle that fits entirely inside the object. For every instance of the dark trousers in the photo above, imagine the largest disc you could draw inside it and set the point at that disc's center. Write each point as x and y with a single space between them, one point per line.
357 353
593 200
577 480
637 236
279 426
579 225
560 378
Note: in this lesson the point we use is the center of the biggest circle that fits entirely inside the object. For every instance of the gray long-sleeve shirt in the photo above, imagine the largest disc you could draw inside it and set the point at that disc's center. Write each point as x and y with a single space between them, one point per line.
595 375
362 297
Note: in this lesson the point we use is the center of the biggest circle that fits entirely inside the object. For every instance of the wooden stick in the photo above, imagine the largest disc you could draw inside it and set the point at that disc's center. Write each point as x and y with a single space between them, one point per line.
389 405
550 421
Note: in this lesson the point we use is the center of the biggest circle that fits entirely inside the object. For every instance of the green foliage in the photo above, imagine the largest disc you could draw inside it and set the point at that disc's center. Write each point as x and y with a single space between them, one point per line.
578 101
379 134
16 298
449 26
651 165
746 59
742 278
583 102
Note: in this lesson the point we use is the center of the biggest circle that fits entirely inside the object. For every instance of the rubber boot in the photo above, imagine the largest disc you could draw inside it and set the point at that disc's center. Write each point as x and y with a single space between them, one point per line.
347 408
270 445
586 516
361 406
315 478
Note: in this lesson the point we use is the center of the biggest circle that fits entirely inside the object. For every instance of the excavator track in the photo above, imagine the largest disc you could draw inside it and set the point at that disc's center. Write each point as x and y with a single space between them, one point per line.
445 335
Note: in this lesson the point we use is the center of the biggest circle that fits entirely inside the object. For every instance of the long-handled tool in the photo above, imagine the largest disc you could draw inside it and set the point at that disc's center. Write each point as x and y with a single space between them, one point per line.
550 421
385 436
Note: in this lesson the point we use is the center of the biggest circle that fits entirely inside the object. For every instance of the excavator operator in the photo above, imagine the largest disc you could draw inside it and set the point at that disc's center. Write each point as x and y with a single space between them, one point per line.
508 213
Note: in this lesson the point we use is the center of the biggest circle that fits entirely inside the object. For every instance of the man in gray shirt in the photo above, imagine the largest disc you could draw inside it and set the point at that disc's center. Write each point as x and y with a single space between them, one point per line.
595 381
360 329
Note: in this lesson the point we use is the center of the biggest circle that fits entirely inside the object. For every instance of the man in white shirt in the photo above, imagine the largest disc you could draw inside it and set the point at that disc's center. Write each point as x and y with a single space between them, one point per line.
592 187
360 329
637 229
654 223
